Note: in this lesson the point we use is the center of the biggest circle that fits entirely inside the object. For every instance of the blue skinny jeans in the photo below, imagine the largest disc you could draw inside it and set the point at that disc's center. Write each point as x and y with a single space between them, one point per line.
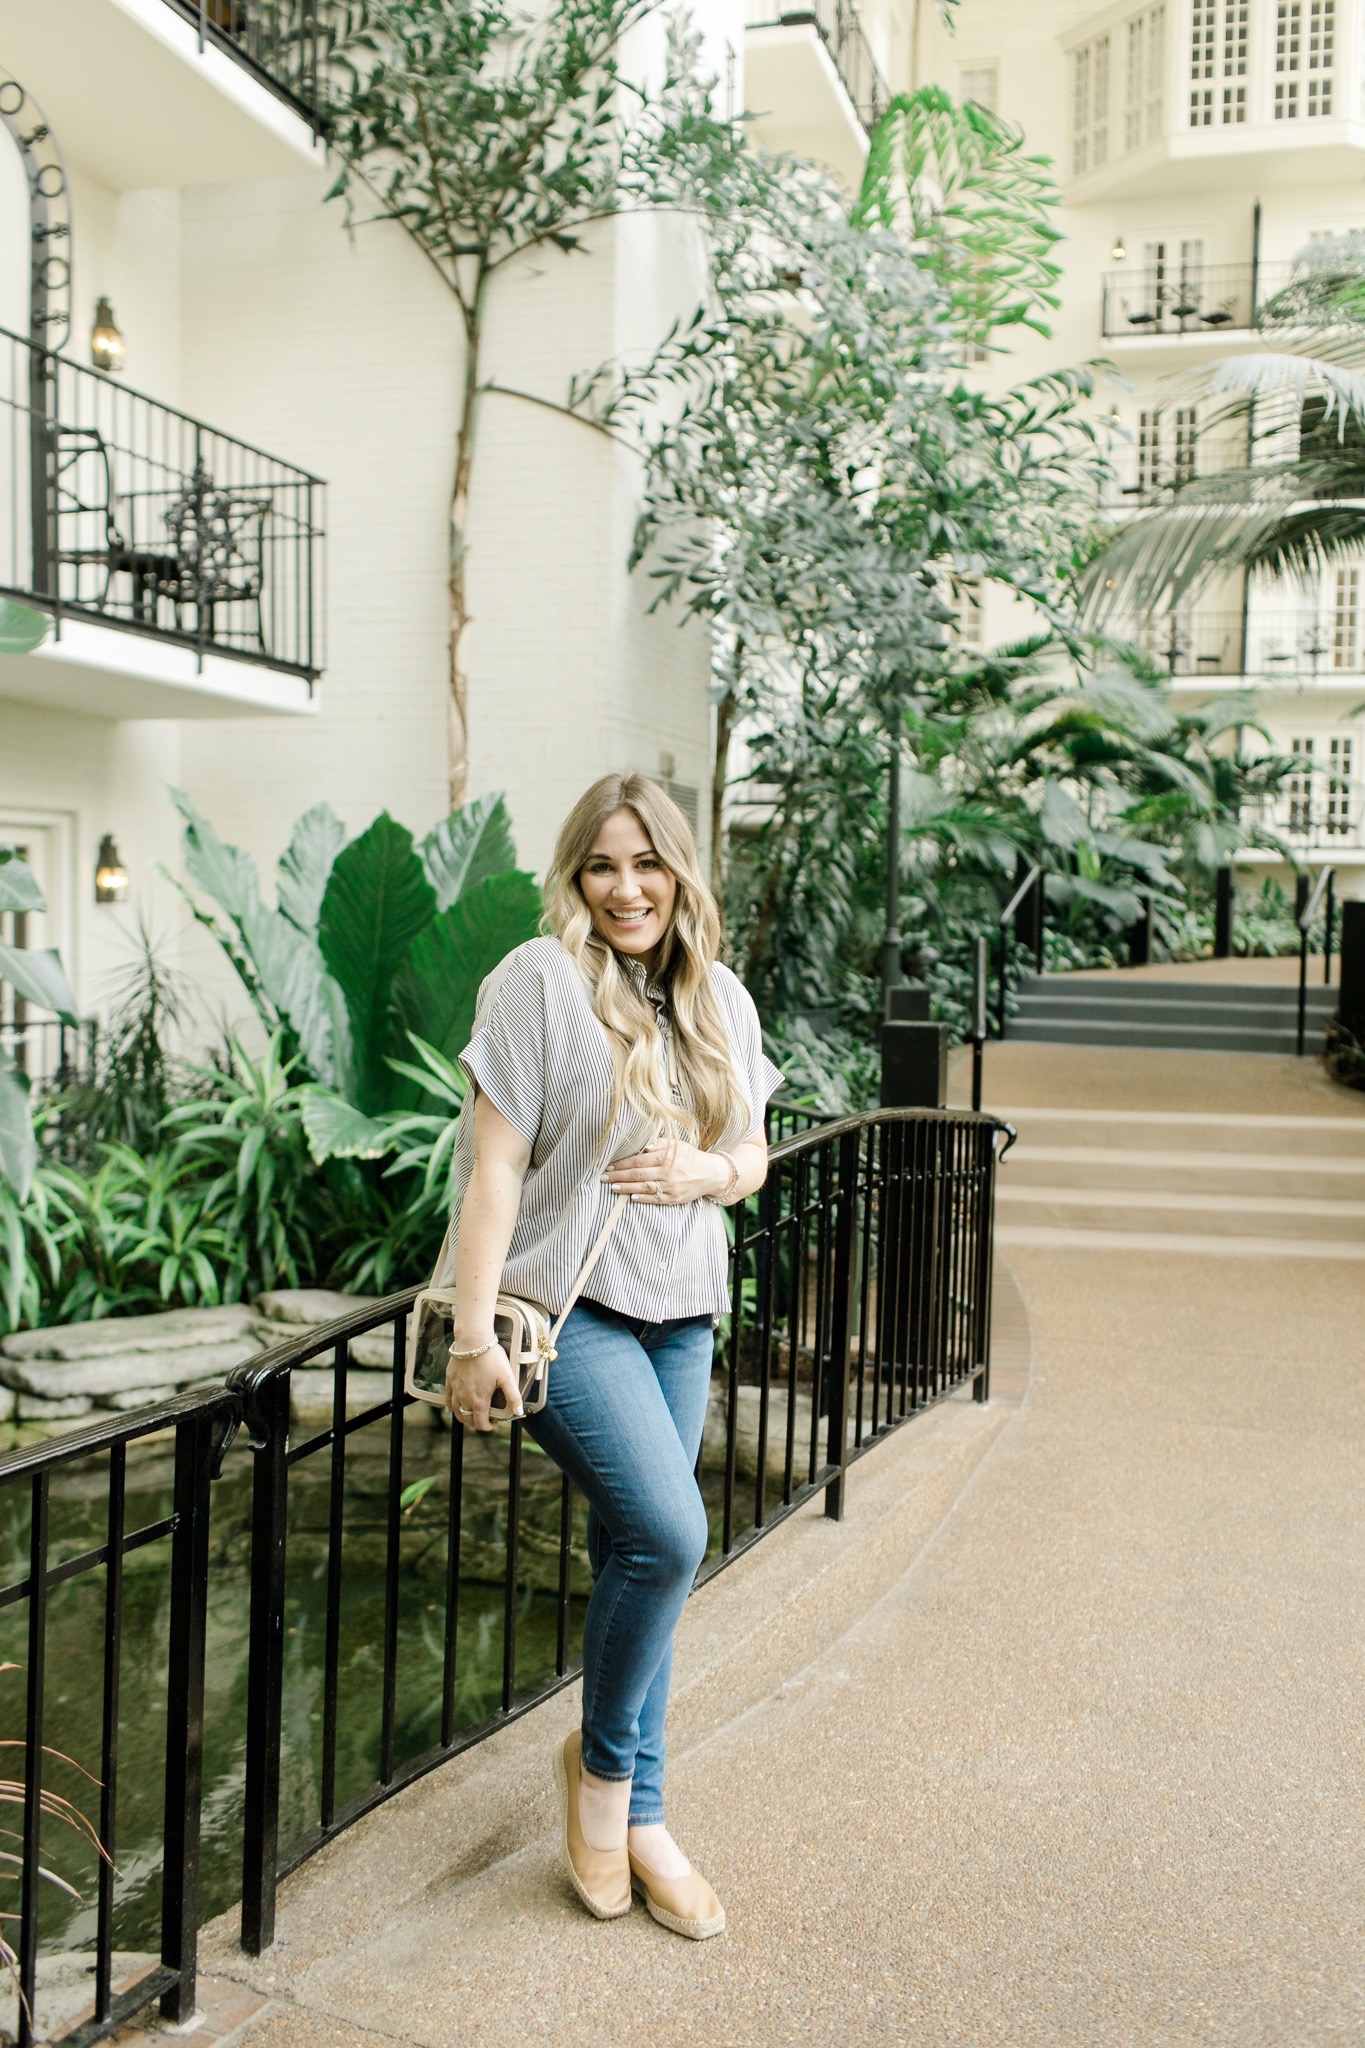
624 1420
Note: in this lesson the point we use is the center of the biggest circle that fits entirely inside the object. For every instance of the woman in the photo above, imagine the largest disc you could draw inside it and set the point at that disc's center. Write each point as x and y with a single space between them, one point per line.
616 1056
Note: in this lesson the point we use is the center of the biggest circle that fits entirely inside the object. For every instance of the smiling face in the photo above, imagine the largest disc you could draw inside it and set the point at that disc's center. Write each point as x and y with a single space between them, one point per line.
629 892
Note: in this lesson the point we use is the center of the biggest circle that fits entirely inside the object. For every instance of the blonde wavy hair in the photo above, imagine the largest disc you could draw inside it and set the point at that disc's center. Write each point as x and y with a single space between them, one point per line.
690 948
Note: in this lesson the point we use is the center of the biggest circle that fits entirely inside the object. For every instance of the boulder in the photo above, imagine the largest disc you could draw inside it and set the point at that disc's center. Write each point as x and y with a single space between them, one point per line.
310 1305
310 1392
111 1336
102 1378
28 1408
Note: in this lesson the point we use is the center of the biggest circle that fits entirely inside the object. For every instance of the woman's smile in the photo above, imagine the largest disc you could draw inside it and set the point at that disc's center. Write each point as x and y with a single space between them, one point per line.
629 892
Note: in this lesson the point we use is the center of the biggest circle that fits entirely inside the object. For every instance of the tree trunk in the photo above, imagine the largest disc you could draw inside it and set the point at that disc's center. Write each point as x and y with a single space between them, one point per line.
720 772
458 705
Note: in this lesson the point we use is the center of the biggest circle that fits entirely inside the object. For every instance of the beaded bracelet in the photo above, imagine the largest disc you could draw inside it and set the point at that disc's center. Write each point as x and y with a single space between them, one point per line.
464 1356
728 1190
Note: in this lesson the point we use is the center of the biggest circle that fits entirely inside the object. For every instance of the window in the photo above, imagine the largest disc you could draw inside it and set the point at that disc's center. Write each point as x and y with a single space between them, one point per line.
979 84
1300 786
1090 106
1218 63
1340 760
967 598
1143 80
1167 448
1305 48
1346 619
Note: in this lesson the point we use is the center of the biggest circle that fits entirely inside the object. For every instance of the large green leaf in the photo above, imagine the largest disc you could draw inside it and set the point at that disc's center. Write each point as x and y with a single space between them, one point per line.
18 886
38 977
294 976
336 1129
18 1146
436 987
21 628
467 847
306 863
376 902
223 872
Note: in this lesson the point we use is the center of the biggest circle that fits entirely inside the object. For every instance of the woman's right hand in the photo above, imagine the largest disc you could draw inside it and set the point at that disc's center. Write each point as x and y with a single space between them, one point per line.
472 1382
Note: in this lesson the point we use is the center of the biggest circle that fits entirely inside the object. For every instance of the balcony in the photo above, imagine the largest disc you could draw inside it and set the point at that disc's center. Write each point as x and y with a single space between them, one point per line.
812 85
1145 470
172 92
1276 649
182 569
1165 101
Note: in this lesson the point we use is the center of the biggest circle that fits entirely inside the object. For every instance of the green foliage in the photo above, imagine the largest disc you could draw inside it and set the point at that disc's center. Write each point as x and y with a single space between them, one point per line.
958 184
374 939
36 976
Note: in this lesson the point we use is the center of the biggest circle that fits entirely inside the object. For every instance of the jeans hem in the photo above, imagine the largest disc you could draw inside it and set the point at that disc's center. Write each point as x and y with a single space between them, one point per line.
645 1820
607 1777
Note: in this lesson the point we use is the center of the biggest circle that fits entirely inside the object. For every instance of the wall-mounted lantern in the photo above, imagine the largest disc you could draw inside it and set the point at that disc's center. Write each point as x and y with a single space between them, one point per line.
1119 250
107 346
111 876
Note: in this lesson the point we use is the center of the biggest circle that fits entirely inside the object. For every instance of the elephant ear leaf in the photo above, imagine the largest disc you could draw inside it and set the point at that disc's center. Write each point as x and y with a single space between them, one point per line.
467 847
18 887
376 902
337 1130
295 979
37 976
305 865
437 986
18 1146
223 872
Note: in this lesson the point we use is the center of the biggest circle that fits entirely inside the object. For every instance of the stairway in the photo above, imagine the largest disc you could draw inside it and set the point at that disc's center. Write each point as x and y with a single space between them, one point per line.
1186 1016
1151 1180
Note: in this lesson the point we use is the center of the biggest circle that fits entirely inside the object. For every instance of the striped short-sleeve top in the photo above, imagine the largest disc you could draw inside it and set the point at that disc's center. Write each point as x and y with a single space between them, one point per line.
541 1055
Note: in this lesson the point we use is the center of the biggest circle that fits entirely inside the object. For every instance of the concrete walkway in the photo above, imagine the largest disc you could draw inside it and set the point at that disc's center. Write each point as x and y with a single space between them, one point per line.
1065 1746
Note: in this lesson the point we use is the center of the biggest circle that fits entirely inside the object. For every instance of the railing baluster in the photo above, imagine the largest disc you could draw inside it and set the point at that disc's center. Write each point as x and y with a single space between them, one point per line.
393 1554
336 1508
454 1507
845 1219
109 1733
562 1591
509 1591
33 1754
269 1422
185 1714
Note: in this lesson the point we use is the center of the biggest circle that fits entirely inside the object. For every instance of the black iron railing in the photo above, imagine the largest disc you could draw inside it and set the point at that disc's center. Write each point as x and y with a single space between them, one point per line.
861 1295
1195 298
47 1050
841 31
283 43
118 508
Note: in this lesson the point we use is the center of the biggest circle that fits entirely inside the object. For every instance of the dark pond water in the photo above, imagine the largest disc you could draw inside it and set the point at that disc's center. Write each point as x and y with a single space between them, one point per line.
75 1644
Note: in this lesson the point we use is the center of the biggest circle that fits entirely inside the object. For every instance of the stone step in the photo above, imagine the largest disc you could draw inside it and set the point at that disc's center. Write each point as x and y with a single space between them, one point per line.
1184 1243
1161 1037
1186 1172
1337 1137
1102 1210
1234 995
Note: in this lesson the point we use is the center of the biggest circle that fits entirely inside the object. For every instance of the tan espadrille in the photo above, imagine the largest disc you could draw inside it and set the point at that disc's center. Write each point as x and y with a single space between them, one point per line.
601 1877
687 1905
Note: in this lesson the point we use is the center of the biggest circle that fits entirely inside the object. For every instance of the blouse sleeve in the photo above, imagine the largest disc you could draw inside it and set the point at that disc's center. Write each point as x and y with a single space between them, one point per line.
506 1056
760 1077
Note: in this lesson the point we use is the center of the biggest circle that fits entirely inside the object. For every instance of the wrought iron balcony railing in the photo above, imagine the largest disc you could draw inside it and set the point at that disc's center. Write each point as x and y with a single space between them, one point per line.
1145 468
117 508
1271 646
841 31
1193 298
284 43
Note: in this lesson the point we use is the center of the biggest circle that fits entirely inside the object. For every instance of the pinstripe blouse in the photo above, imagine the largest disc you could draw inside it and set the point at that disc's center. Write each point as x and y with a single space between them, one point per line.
541 1056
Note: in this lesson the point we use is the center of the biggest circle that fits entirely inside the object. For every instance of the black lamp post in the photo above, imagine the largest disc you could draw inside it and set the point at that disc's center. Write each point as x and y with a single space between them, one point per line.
891 938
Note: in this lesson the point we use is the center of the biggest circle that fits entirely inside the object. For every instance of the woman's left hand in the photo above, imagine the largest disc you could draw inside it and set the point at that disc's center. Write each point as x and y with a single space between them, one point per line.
665 1174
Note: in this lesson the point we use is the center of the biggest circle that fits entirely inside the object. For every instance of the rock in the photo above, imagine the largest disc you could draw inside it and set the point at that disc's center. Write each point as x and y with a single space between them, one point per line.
101 1379
310 1391
28 1408
746 1433
175 1330
310 1304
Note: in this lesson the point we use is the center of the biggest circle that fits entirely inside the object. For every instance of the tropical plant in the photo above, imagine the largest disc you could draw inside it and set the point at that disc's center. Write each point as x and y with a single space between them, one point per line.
375 943
132 1076
490 136
36 976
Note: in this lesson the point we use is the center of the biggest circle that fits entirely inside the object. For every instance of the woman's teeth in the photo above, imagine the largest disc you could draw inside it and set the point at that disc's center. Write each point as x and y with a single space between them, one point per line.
630 916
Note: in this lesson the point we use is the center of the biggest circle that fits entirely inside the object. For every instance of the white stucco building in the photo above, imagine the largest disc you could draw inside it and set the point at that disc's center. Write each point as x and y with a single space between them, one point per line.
1200 146
284 412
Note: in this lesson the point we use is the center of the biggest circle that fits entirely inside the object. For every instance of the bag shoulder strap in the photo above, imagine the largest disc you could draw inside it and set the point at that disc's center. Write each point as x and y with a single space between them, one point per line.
585 1270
